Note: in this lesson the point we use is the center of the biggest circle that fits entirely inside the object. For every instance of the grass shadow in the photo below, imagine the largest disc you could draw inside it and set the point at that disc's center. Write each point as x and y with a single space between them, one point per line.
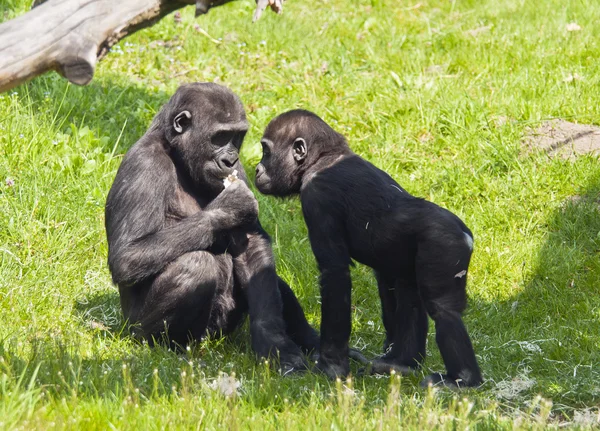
101 311
116 111
549 329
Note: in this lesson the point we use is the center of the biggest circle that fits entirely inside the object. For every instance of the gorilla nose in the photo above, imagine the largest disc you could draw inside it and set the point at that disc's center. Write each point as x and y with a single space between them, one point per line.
259 169
229 161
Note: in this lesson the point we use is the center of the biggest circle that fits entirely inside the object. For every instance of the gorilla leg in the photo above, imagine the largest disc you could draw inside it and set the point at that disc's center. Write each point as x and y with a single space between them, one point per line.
455 346
297 326
411 325
409 331
386 288
254 267
442 284
181 301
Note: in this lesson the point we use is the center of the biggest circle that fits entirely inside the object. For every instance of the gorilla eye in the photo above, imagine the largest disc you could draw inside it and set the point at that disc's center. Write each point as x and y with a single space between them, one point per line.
220 139
265 149
238 139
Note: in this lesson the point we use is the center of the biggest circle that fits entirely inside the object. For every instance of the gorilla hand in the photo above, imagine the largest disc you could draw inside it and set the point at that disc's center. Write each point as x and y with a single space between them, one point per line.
235 206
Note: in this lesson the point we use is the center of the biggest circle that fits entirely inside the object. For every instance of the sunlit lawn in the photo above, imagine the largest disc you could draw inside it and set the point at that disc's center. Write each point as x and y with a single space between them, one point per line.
439 93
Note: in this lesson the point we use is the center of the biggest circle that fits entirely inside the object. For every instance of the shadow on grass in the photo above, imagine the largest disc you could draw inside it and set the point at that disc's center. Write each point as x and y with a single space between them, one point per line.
102 311
566 277
112 108
114 364
550 330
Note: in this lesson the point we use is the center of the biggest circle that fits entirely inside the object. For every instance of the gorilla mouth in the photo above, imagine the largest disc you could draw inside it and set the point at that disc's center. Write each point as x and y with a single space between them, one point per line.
221 172
224 174
262 183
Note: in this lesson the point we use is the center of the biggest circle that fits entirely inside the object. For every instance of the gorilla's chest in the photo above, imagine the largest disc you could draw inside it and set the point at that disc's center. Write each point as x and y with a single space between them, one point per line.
184 204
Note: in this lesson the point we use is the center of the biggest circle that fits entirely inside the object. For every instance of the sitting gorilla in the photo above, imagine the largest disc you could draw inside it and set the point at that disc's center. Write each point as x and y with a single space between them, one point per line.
189 255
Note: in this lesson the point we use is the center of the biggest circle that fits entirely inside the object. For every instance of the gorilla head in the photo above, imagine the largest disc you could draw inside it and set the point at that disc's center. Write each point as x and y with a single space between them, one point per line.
204 125
292 143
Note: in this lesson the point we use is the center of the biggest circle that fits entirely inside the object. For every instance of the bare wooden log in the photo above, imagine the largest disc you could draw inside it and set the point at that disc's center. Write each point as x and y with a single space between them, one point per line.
69 36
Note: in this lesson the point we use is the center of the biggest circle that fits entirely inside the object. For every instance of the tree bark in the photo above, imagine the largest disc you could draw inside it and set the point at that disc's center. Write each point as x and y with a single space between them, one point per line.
69 36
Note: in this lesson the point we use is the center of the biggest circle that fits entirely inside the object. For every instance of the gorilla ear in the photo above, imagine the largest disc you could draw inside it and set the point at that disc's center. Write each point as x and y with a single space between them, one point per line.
299 150
182 121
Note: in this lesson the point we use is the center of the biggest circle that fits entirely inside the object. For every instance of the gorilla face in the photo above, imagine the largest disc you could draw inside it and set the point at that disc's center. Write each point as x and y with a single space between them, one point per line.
205 126
285 146
279 172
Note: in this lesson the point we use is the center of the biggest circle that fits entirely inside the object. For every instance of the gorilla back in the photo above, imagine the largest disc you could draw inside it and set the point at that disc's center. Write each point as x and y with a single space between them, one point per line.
420 252
189 256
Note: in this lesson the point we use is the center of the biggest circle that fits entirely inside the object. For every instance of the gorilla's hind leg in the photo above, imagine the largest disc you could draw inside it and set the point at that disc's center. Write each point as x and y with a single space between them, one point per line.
180 301
456 349
442 284
386 287
407 350
297 327
269 332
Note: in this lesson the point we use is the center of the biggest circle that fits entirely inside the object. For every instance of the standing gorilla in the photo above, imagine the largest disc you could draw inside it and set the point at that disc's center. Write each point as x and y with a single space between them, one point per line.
419 251
189 256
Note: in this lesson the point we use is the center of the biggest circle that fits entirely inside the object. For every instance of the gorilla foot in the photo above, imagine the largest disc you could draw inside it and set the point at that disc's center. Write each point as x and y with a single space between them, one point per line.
333 370
286 364
385 365
438 379
292 364
353 354
287 369
287 354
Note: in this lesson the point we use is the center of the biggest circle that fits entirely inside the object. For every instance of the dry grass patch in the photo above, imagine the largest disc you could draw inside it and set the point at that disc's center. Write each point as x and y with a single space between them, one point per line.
563 138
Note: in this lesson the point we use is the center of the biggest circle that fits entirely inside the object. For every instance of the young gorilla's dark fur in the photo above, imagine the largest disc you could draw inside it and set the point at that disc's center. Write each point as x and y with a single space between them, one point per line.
353 210
190 257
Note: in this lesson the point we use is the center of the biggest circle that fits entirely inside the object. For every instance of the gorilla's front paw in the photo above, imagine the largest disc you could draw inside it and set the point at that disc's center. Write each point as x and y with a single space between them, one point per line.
235 206
333 370
438 379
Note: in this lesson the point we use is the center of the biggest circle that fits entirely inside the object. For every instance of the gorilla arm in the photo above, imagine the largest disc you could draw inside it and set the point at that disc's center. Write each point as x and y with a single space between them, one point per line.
140 245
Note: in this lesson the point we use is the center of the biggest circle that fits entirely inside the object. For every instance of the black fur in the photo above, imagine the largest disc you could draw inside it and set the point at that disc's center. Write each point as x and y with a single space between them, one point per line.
420 252
190 257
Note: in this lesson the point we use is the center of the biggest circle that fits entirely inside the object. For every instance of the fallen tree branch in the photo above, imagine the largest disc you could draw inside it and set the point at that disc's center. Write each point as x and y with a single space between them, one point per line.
69 36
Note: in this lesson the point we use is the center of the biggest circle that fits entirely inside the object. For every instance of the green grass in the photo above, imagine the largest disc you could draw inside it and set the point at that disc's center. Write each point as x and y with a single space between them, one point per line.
441 109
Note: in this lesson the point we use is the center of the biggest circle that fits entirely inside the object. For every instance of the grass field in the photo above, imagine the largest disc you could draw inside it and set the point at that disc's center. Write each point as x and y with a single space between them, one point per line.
439 93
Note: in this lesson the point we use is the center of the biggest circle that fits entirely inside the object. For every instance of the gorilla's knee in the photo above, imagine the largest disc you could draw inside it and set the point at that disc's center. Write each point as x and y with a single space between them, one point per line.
195 270
182 297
